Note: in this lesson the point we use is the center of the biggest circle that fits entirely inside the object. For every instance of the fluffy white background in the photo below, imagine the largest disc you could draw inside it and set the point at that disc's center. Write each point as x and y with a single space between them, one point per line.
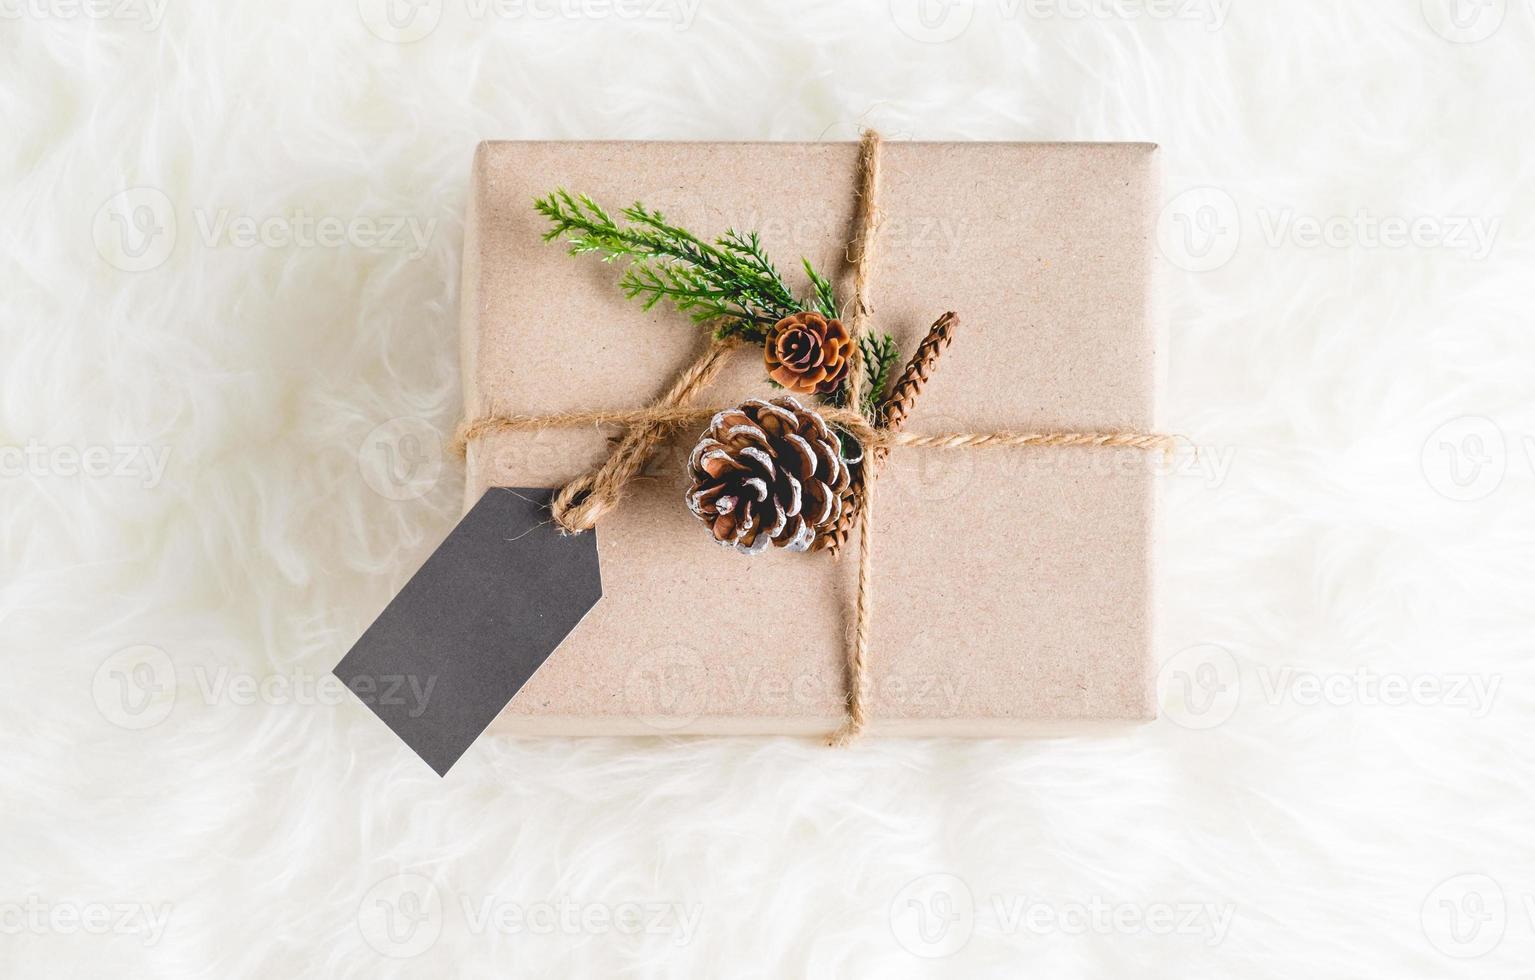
1351 530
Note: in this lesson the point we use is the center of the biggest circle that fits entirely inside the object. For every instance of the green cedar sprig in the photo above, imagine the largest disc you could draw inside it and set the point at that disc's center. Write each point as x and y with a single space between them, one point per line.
730 282
825 296
879 357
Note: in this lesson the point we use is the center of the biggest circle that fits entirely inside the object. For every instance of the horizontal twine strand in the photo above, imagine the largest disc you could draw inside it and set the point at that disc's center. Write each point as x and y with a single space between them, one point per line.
852 422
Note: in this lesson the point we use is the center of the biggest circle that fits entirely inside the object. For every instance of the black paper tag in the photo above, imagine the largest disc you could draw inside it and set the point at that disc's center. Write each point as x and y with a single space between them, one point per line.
480 617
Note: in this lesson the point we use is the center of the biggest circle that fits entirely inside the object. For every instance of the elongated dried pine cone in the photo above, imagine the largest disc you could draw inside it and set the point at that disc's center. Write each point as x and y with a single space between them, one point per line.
767 473
892 414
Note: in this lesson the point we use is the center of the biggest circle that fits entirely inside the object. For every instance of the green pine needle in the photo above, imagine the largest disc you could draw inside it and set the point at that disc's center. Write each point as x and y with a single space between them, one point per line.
825 297
729 281
879 356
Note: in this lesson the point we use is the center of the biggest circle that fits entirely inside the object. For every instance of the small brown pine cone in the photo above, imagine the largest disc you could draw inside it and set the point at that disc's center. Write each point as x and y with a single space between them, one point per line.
807 353
767 473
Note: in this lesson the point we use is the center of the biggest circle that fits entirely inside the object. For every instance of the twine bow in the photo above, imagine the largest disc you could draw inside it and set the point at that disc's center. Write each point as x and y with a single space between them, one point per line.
581 503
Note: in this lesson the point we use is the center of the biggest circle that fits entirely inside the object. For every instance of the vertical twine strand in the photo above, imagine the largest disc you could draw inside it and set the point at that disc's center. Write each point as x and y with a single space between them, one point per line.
863 260
858 654
863 278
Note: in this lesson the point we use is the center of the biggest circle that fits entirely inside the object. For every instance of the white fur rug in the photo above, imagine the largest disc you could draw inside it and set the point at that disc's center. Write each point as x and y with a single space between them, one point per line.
230 240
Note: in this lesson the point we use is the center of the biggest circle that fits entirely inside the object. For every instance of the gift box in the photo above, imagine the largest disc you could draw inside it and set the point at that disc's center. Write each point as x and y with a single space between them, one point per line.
1014 585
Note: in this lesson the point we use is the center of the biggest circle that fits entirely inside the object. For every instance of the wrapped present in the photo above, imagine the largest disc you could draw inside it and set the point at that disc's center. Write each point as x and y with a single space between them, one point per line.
1012 582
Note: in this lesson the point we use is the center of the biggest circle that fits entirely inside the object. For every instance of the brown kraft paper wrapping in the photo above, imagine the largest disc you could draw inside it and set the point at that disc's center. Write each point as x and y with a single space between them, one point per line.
1013 588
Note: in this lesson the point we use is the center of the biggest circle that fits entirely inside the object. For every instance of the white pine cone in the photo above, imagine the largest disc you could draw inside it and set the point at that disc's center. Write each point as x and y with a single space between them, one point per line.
767 473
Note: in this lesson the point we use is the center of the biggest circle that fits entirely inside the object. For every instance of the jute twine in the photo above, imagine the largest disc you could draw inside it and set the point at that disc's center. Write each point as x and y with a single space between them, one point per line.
581 503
